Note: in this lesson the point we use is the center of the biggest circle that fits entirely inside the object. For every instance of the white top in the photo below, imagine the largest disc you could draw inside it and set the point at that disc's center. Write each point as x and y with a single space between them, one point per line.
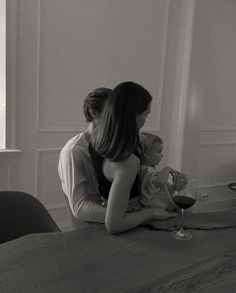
152 195
77 173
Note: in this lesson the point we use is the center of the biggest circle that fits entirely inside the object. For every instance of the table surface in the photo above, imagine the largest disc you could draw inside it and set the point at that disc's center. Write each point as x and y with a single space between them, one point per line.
142 260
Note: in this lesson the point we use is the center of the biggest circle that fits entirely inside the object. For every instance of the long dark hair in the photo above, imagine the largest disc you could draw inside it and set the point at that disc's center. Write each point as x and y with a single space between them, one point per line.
116 136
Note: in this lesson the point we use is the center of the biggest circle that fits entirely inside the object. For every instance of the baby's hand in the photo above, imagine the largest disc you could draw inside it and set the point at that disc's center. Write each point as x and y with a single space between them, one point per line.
179 181
163 175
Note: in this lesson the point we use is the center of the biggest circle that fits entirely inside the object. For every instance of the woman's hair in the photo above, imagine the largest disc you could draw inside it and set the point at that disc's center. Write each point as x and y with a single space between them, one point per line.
116 136
95 101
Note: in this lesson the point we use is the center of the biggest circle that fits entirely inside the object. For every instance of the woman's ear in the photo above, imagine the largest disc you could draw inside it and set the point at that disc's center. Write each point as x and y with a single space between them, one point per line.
93 113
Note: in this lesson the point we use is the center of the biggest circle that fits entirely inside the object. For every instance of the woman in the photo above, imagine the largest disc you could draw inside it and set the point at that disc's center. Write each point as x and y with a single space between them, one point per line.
75 167
115 154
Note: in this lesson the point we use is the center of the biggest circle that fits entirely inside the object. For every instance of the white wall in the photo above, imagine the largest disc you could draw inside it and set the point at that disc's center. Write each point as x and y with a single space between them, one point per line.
210 134
64 49
59 50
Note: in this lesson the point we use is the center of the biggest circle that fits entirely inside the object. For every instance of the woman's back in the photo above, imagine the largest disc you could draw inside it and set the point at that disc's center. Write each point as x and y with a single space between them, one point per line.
105 171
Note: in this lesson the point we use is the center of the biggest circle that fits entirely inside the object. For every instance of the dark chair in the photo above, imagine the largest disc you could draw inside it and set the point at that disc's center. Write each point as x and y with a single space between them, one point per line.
22 214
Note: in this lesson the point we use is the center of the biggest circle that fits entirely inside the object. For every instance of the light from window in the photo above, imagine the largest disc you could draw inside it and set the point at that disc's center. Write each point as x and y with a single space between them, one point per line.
2 74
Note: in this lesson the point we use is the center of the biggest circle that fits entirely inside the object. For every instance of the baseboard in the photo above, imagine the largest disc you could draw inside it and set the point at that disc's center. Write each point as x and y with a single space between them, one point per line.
215 197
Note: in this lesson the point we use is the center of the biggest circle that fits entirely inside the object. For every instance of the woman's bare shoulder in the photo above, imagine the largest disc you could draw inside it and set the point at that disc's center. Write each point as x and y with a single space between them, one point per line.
132 162
127 166
133 159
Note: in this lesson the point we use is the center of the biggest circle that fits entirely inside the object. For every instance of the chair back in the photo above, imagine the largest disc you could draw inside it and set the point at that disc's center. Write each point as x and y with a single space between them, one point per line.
22 214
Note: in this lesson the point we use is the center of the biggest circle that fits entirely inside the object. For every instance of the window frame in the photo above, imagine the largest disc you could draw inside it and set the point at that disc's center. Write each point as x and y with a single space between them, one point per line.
3 74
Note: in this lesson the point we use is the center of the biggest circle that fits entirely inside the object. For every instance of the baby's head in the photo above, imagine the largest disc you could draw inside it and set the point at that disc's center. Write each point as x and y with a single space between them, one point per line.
152 146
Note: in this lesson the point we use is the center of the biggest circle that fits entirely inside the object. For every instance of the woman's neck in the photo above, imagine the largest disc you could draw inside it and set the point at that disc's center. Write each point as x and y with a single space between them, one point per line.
88 132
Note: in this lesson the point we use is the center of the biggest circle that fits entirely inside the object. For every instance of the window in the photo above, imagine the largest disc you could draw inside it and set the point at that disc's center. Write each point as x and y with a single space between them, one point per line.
2 74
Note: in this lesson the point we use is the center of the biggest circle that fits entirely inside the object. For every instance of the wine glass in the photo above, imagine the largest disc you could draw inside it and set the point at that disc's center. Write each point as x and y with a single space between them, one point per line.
185 199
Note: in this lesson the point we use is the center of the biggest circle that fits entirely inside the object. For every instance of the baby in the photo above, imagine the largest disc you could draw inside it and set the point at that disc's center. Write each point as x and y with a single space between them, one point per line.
156 190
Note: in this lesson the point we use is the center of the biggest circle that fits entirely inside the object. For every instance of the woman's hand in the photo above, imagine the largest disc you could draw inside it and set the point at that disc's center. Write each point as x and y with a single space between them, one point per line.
162 214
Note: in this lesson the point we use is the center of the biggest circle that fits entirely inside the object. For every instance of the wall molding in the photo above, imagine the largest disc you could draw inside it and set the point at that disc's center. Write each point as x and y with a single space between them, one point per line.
154 130
38 127
217 143
59 129
65 226
38 64
162 69
218 129
9 153
56 129
178 114
185 83
213 185
56 206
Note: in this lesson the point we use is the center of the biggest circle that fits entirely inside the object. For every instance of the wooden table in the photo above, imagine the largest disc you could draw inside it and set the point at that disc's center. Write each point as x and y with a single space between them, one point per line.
142 260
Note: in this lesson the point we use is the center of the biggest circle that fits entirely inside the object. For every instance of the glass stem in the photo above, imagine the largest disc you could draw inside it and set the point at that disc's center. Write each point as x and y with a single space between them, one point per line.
182 220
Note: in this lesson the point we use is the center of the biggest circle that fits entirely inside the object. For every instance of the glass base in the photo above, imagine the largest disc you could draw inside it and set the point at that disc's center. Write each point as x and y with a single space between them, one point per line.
181 235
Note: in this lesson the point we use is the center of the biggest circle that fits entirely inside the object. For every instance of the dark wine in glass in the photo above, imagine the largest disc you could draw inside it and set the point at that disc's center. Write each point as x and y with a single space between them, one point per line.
185 199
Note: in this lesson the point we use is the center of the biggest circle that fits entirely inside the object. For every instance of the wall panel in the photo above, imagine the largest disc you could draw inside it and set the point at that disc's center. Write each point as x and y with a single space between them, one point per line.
97 44
66 49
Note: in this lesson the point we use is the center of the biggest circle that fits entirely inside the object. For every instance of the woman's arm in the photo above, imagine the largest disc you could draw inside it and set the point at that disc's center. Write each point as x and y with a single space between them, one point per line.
117 220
